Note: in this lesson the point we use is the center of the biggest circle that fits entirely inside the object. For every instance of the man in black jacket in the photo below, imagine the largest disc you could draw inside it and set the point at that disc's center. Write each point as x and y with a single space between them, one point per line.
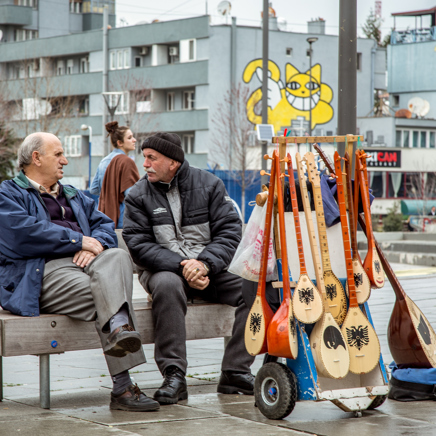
182 231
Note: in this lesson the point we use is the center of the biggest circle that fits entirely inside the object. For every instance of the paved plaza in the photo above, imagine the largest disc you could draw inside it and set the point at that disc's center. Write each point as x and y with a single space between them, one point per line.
80 391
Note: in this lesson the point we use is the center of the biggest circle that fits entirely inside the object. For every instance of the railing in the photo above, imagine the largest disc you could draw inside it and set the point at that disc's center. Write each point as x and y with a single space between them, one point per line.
413 35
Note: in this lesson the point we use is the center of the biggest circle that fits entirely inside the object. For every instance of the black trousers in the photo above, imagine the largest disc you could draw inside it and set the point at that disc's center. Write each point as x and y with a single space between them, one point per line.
170 293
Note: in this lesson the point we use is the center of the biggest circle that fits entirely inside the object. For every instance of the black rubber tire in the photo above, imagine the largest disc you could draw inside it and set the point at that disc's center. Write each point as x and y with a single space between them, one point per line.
275 390
377 402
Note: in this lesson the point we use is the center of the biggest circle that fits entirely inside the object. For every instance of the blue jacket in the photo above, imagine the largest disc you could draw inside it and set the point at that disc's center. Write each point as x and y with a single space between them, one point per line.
28 236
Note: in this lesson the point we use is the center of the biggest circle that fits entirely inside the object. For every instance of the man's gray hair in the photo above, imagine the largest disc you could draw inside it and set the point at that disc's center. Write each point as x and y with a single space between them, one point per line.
30 144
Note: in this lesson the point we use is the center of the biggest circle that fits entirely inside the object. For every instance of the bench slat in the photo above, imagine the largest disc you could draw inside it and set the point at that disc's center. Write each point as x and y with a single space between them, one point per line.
34 335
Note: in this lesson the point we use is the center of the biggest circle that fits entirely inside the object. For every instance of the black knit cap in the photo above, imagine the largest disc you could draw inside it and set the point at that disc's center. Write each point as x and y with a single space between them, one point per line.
169 144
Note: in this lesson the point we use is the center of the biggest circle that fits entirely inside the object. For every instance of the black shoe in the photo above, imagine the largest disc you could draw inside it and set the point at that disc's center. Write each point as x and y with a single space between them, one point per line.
133 400
173 388
236 382
122 341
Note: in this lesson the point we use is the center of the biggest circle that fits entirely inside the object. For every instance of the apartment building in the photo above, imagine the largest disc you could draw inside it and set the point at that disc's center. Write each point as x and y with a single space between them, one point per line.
171 75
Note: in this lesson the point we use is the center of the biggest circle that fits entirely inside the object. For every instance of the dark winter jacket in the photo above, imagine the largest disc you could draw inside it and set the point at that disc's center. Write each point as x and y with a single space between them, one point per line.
192 217
28 237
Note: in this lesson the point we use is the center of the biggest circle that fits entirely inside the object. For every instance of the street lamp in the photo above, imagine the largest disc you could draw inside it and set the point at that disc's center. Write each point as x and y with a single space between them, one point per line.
86 127
310 40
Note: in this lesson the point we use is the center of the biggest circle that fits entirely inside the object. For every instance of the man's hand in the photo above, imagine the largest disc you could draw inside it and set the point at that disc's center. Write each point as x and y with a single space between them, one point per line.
83 257
200 284
92 245
193 270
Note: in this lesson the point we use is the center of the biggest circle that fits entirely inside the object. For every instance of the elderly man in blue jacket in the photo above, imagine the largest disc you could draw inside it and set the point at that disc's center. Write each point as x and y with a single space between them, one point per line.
58 254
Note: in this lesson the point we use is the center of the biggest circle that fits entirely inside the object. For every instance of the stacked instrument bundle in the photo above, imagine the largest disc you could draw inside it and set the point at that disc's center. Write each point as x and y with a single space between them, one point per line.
328 339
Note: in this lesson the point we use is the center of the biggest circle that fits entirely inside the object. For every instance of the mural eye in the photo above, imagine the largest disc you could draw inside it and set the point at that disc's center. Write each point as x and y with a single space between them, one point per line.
312 86
293 85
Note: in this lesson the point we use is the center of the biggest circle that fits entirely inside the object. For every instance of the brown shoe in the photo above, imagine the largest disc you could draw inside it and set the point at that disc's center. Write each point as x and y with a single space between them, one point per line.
133 400
122 341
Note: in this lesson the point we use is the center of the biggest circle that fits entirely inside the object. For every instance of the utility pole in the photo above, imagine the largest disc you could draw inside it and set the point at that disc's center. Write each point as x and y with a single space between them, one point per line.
107 146
265 28
347 70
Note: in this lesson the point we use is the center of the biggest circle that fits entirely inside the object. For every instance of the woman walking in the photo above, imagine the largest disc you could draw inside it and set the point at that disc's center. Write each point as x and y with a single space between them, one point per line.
116 173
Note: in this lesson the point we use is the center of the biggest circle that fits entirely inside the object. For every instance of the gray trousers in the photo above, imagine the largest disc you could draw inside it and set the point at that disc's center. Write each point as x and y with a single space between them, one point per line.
170 293
94 293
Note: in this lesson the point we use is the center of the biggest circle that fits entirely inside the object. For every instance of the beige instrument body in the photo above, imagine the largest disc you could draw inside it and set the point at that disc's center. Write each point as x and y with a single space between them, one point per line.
329 349
307 301
362 283
255 332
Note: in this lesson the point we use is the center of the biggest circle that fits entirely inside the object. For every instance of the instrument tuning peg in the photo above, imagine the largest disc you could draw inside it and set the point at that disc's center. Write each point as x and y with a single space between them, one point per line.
285 159
264 173
333 176
266 157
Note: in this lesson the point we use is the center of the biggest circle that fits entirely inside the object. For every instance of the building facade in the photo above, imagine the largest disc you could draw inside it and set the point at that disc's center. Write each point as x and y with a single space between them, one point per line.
173 76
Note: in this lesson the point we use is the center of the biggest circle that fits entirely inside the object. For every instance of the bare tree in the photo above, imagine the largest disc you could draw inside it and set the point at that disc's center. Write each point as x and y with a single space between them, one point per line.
233 135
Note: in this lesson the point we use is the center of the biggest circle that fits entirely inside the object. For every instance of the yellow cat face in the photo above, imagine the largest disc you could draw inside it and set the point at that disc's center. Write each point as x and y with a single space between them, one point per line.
299 87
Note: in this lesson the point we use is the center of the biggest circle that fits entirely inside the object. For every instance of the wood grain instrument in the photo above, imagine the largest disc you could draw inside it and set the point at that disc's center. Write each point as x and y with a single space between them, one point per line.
307 300
329 349
371 264
282 332
411 338
260 313
333 286
362 340
361 280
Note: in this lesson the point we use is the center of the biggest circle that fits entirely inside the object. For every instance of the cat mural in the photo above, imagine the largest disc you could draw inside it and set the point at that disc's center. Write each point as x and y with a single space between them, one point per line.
287 102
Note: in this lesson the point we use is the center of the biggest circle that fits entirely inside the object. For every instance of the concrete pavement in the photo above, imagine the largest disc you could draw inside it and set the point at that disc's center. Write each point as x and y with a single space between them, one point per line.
80 391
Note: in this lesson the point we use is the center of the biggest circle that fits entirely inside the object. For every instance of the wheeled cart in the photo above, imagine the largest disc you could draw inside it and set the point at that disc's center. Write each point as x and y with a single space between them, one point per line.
279 386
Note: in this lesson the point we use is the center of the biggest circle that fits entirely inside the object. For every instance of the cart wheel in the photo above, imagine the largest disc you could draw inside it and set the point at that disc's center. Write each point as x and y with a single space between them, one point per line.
275 390
377 402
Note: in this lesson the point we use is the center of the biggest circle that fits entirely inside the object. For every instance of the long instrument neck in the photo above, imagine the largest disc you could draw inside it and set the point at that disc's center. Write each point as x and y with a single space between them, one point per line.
352 222
296 213
267 234
345 232
322 232
281 207
311 232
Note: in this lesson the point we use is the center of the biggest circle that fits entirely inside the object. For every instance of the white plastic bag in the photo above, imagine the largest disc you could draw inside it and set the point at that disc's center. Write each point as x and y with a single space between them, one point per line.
246 262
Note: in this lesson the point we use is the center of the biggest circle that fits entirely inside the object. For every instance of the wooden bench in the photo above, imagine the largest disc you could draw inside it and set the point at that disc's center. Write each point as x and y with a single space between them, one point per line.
55 334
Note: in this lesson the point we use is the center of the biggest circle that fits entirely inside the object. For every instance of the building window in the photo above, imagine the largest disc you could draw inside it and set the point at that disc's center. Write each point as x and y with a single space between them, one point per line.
170 101
423 139
123 102
188 144
73 145
289 51
84 65
84 106
119 59
188 100
406 135
60 68
359 61
415 136
396 100
138 61
70 66
24 35
188 50
432 139
75 7
398 138
191 49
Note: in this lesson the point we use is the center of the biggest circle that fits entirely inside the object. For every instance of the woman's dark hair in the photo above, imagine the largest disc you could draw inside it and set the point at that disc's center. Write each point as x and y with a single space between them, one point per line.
116 132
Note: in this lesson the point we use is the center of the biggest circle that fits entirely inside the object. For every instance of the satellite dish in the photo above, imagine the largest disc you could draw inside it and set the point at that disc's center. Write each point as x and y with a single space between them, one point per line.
224 8
425 109
416 105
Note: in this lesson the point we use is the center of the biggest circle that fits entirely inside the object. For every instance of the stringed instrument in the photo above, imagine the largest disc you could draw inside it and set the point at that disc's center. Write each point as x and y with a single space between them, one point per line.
411 338
306 301
333 286
282 332
371 264
329 349
260 314
363 343
361 280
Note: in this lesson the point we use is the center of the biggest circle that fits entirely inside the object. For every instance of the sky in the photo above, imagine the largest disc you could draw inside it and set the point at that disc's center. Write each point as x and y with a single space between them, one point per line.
295 13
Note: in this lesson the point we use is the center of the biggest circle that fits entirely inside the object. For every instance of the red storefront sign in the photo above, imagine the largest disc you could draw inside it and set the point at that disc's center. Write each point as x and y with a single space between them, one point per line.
383 158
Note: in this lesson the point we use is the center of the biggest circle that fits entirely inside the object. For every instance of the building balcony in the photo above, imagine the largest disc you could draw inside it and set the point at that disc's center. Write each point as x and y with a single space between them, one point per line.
162 76
54 86
12 15
413 35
